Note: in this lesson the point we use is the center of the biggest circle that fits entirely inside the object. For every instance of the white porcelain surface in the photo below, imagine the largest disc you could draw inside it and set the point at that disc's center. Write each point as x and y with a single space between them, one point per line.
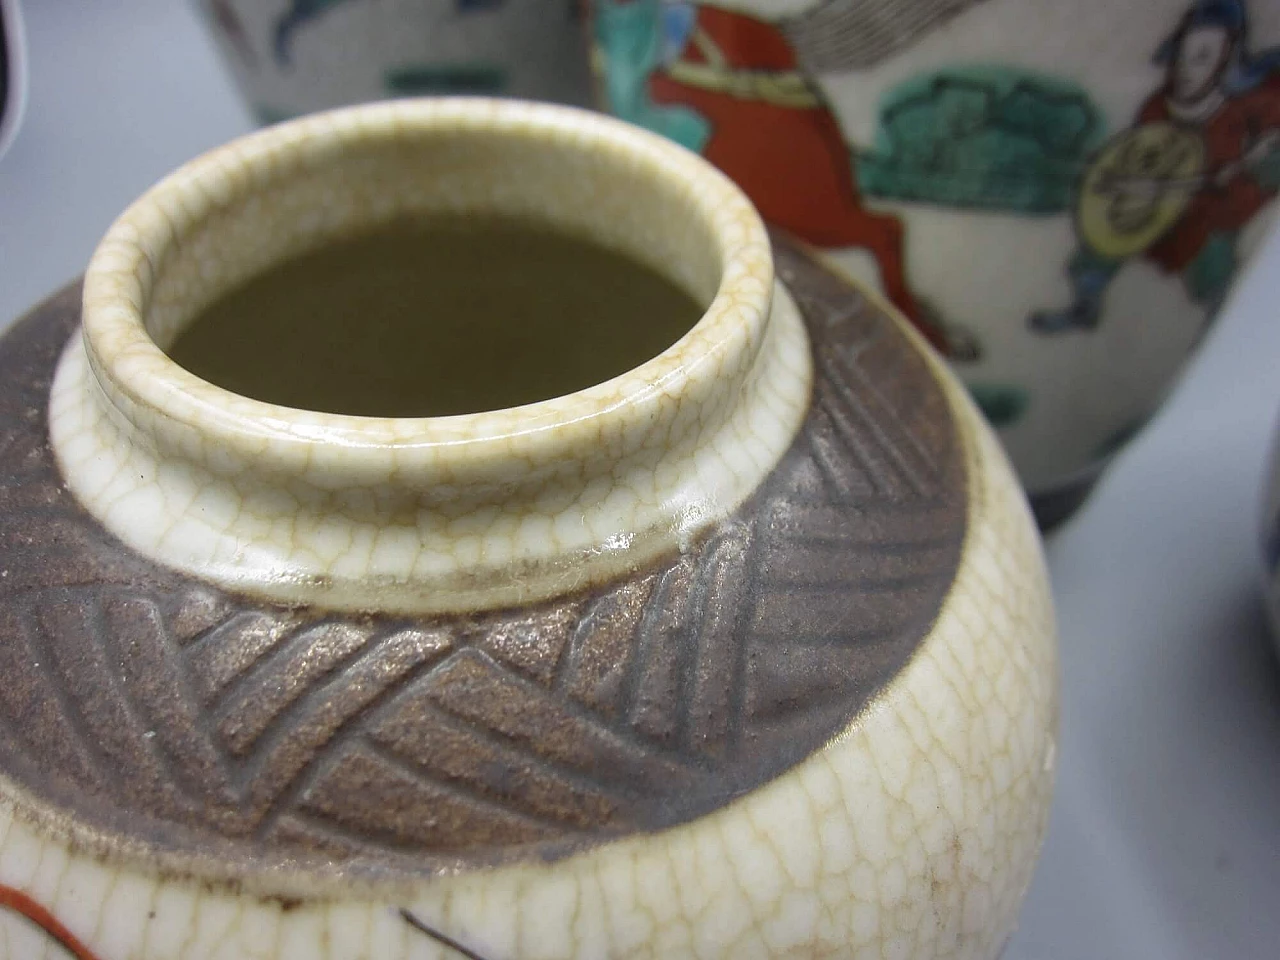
291 57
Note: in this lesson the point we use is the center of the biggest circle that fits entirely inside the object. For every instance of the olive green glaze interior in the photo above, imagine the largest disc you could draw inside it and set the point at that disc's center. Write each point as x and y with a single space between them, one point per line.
344 190
436 316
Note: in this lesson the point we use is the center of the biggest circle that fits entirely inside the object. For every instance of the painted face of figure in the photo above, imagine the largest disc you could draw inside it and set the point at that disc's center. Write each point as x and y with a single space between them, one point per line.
1201 56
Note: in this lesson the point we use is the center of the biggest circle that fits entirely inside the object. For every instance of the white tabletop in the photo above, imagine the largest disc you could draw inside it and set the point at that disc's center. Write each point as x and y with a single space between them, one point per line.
1165 837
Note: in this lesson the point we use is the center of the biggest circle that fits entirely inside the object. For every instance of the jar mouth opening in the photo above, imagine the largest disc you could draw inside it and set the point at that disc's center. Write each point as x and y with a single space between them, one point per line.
437 315
290 190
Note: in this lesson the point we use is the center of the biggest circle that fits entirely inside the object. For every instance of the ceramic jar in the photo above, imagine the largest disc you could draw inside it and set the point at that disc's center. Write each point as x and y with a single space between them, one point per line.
1271 538
747 652
291 57
1058 195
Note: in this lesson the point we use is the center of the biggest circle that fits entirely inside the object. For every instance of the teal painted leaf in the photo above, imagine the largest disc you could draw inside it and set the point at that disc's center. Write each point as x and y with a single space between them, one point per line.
437 80
1001 404
266 114
988 137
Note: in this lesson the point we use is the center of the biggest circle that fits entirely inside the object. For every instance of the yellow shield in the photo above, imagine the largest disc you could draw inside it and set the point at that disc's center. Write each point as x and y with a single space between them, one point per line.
1139 187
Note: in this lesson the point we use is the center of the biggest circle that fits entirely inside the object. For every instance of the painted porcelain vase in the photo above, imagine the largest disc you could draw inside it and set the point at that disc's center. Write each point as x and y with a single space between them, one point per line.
1271 538
746 652
1057 194
291 57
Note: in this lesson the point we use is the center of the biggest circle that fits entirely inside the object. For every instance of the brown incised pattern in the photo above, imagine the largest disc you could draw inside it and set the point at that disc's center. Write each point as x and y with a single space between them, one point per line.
144 711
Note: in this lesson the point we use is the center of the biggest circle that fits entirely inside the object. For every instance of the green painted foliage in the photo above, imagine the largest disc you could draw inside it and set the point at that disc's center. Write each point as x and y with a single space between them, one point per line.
437 80
1001 404
989 137
266 114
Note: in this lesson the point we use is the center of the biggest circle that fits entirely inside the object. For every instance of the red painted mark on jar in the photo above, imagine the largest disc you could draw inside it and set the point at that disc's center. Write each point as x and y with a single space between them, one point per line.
19 902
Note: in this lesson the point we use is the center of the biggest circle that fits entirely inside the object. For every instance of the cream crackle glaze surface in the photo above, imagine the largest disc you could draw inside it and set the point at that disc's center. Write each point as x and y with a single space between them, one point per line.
683 761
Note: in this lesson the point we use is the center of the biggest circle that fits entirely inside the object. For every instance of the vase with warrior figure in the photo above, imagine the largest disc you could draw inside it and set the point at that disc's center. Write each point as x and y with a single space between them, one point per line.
1059 196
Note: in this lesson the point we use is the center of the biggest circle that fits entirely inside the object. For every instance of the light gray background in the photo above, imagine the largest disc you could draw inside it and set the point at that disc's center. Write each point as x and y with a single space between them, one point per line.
1165 837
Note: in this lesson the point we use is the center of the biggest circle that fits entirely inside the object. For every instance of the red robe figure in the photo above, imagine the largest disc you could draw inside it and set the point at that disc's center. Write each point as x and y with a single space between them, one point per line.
1230 100
1232 197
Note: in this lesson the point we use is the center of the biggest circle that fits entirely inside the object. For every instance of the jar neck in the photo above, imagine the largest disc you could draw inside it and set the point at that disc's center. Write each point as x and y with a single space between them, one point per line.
430 514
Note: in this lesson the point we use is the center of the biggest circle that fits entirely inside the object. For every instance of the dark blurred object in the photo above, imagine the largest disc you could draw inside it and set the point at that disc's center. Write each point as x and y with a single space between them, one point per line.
1271 536
13 72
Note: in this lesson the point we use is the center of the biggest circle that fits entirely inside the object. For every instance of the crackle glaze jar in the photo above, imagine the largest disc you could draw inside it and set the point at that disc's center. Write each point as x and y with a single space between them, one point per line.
745 652
1058 194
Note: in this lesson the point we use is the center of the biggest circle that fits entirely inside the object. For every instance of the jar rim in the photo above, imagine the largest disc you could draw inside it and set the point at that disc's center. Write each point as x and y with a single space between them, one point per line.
148 387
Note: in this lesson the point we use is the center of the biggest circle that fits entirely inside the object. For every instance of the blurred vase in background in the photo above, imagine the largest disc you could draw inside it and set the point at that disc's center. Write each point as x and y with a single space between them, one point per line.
291 57
1058 195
